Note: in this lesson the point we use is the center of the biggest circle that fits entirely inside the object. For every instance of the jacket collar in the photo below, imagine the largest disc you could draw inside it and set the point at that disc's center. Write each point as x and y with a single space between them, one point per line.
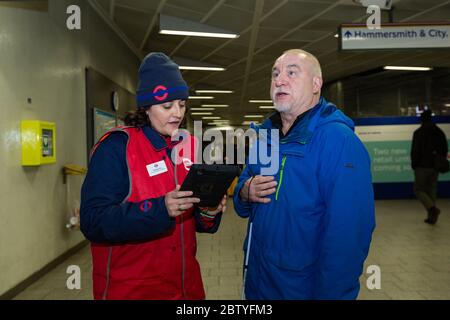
158 141
303 129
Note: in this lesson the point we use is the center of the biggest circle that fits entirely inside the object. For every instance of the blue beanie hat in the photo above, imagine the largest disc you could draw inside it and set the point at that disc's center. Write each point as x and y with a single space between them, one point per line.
160 81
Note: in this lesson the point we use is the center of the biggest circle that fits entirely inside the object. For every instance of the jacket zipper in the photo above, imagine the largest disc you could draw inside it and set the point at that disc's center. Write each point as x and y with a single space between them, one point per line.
181 233
281 176
108 269
182 258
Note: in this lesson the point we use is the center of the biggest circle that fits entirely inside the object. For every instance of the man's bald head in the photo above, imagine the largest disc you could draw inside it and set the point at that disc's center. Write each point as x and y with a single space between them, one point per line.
314 64
296 82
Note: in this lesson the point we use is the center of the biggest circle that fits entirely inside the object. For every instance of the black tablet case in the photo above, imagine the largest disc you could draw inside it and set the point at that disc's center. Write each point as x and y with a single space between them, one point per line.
209 182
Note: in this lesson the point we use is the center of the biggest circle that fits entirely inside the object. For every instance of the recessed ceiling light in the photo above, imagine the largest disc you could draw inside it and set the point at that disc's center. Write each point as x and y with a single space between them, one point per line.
202 109
267 107
201 113
200 98
189 64
202 68
199 34
224 128
210 118
405 68
254 116
176 26
260 101
215 105
214 91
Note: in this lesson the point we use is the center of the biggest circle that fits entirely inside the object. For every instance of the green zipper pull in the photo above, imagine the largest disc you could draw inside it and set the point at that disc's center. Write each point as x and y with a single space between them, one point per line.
281 177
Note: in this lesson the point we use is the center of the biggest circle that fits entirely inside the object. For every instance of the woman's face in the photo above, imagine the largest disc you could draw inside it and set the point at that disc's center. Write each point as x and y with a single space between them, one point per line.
166 117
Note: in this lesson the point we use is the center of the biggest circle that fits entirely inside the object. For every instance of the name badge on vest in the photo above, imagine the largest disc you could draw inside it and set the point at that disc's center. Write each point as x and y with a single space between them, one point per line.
156 168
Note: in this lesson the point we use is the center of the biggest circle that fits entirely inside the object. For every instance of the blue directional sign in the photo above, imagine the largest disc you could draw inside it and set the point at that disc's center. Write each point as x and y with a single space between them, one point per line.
394 36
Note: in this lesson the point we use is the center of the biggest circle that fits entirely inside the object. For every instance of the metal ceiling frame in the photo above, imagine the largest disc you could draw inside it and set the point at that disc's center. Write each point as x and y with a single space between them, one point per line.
203 20
152 24
304 47
328 35
332 6
106 17
259 4
112 6
281 4
124 6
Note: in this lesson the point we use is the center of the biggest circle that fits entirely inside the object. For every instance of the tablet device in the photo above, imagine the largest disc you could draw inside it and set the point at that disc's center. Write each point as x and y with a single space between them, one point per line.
209 182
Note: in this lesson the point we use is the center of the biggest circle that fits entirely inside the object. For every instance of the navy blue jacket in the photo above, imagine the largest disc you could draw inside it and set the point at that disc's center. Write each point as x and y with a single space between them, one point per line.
104 218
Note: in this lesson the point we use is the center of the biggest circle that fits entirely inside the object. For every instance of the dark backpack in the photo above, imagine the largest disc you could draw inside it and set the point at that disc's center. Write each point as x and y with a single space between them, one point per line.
441 163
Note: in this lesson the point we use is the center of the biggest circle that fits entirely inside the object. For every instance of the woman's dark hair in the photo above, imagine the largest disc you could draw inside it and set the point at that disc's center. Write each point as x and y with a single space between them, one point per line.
138 118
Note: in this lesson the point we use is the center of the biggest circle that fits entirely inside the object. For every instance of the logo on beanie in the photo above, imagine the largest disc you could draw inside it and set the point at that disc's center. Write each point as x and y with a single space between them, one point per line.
163 95
160 93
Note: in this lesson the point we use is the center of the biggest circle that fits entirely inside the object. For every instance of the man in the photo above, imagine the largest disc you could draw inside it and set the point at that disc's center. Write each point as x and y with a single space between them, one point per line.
310 224
428 141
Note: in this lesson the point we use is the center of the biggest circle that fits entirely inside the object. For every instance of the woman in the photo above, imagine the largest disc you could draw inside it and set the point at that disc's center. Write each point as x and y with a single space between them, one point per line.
142 228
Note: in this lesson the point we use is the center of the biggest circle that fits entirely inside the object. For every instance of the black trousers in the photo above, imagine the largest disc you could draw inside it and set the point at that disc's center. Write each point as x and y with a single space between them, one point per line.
425 186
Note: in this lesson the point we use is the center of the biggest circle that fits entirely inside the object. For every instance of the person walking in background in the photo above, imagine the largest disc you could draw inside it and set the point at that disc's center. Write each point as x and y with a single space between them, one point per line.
429 142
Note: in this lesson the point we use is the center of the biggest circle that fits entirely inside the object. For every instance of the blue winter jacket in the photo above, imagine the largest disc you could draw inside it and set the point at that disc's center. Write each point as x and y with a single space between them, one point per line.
311 240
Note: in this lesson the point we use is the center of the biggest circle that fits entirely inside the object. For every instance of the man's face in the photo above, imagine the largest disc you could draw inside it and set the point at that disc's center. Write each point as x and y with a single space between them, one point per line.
293 84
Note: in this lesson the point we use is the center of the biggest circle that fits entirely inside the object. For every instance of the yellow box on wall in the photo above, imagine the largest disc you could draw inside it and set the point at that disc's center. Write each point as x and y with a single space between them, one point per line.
38 142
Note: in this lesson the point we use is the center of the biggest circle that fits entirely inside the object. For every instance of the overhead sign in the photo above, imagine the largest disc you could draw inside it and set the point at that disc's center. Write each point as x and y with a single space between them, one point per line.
394 36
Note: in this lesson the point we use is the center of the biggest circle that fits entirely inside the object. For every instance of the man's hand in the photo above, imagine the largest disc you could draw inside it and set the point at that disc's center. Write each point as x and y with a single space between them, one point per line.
177 201
258 188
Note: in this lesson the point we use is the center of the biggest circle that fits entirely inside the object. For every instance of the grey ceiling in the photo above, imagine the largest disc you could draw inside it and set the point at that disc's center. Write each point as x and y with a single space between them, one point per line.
266 29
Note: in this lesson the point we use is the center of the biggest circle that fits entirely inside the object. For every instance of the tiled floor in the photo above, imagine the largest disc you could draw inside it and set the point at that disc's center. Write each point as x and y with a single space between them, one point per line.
414 258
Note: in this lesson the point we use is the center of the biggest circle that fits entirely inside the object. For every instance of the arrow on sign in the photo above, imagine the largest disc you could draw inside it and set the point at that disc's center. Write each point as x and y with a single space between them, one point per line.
348 34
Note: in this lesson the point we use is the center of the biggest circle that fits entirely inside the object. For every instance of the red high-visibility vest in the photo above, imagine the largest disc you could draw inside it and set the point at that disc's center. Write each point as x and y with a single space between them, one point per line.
163 268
